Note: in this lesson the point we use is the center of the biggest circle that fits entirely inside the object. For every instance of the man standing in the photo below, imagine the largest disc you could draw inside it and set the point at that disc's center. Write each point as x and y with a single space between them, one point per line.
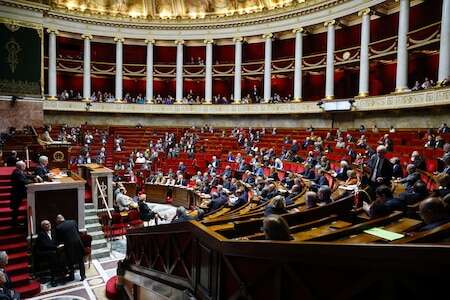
67 234
19 180
46 249
381 168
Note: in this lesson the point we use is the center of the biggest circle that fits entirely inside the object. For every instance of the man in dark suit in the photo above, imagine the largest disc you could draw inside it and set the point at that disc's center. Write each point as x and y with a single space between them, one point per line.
67 233
411 179
380 168
19 180
46 247
42 169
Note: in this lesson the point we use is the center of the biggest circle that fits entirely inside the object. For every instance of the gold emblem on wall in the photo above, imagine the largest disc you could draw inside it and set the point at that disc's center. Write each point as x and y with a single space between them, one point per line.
13 49
58 156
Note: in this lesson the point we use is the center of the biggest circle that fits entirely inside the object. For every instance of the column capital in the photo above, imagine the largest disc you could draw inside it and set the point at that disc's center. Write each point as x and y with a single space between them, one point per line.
365 12
53 30
267 35
86 36
119 39
238 39
330 23
208 41
149 41
300 30
179 42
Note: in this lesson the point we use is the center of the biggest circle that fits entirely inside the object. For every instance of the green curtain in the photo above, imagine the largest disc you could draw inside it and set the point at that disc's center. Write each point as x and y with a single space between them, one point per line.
20 60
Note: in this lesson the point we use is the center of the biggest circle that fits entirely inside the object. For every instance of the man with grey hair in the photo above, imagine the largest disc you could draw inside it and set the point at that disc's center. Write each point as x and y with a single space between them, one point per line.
3 263
42 169
19 180
380 168
46 249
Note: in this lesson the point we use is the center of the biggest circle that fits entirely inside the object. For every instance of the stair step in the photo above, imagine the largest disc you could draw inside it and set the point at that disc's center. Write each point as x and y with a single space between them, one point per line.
4 182
93 227
19 268
5 189
29 290
5 196
89 206
19 280
18 257
100 253
91 219
10 238
16 247
99 244
4 203
90 212
4 221
96 235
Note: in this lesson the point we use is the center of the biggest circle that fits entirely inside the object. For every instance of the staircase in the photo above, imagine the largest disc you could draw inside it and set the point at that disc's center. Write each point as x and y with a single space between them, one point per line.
100 247
13 240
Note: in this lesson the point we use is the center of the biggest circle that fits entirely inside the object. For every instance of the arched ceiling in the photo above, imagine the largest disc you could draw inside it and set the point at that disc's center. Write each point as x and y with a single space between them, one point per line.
172 9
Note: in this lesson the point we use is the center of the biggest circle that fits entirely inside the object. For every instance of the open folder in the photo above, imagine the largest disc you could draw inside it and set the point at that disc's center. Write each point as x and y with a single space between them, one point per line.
384 234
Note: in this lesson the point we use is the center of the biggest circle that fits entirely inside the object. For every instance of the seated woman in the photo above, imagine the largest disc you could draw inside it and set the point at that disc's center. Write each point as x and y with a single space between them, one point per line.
352 178
275 228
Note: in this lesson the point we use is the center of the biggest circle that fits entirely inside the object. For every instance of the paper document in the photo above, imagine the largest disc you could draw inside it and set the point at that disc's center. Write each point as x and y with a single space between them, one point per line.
384 234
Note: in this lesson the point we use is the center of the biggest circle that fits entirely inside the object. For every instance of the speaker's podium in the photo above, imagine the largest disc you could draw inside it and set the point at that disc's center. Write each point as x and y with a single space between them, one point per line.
64 195
57 153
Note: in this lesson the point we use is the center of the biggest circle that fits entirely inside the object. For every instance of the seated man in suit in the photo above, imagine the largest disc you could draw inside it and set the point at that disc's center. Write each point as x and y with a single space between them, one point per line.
324 195
180 180
46 248
123 201
411 179
384 203
276 228
3 263
242 198
419 192
42 173
181 215
434 212
146 214
67 234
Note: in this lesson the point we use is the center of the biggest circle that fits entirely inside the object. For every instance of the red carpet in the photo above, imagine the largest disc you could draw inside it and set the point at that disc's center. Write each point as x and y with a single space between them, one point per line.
13 241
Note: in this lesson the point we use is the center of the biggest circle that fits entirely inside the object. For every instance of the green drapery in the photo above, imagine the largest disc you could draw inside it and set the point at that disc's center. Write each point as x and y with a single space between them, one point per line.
20 59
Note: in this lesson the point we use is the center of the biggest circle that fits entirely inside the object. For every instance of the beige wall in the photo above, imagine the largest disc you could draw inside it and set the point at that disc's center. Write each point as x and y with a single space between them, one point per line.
405 118
23 113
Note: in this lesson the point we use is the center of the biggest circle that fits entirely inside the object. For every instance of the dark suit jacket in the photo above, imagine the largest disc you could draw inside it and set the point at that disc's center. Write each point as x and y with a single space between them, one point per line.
19 190
44 243
67 234
42 172
386 169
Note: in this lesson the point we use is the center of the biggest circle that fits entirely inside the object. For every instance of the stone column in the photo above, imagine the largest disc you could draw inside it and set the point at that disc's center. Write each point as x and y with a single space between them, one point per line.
208 71
87 67
402 48
267 66
237 69
298 64
149 79
52 64
364 54
329 80
444 51
119 68
179 75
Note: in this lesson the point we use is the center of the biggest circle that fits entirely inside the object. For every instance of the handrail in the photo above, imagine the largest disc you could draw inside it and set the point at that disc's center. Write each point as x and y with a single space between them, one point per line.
103 198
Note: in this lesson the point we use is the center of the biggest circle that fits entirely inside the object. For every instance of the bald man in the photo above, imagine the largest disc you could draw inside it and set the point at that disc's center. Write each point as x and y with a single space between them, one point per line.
433 211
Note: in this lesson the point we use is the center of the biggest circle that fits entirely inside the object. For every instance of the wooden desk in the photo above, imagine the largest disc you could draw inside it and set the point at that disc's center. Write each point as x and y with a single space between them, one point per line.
399 226
321 230
181 196
62 196
93 173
